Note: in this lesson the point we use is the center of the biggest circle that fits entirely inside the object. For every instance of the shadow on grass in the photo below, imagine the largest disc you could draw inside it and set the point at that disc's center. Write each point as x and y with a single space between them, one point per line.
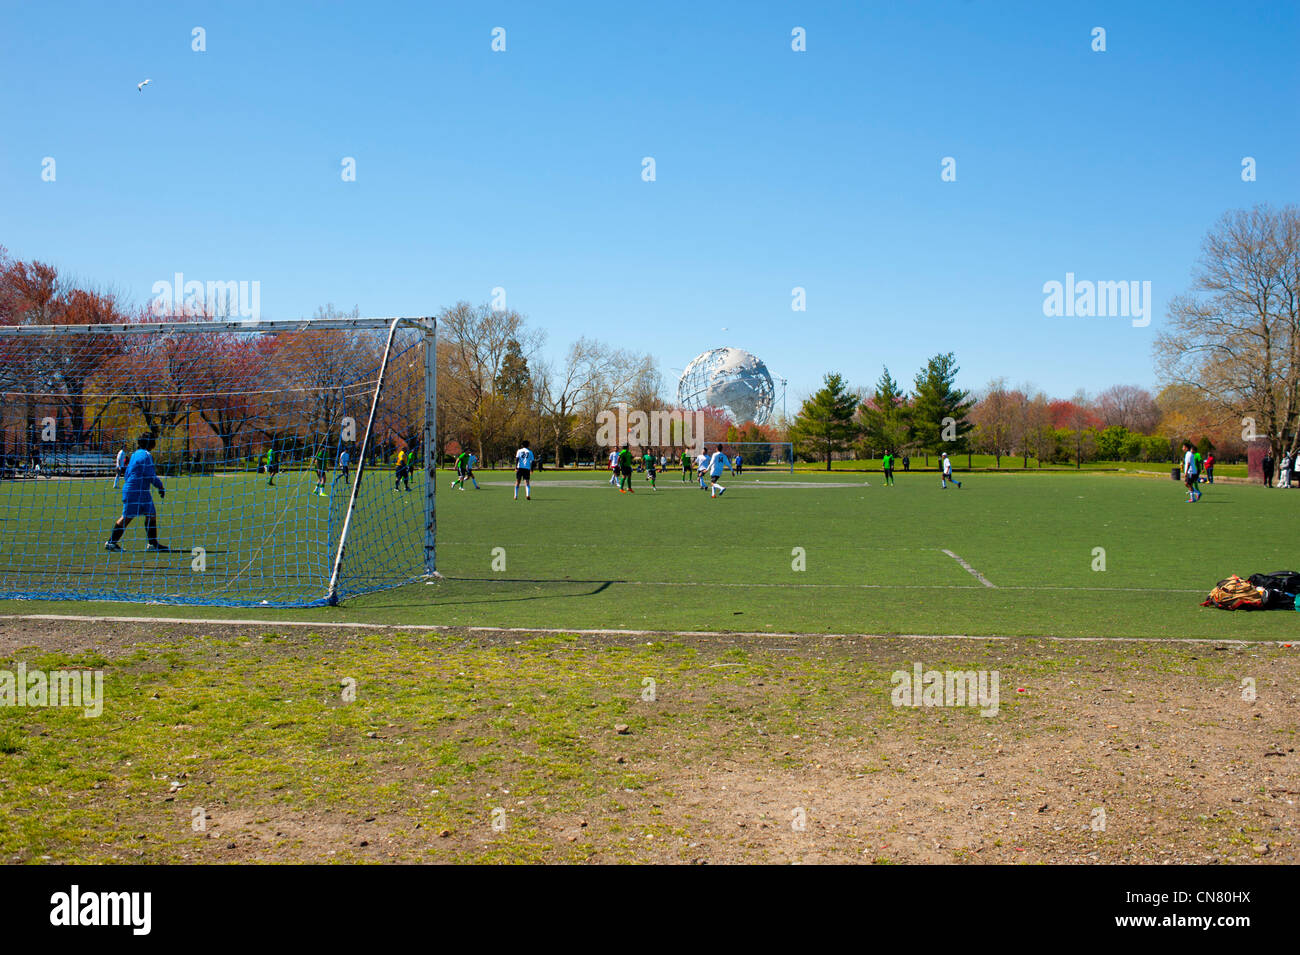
377 601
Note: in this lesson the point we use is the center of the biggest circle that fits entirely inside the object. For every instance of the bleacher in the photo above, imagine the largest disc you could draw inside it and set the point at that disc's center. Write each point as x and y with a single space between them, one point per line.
59 464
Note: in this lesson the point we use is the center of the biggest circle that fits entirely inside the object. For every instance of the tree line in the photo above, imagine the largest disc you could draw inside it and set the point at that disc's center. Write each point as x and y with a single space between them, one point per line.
1122 423
1228 360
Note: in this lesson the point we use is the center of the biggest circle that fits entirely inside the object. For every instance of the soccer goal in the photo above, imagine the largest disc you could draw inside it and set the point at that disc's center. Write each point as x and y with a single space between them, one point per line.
762 454
293 457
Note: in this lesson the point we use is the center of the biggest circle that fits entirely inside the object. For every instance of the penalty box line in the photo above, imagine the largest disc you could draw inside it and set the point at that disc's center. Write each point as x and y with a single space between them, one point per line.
969 569
610 631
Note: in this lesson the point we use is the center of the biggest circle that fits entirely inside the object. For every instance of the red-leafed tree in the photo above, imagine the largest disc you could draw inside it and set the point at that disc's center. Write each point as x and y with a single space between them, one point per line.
1077 417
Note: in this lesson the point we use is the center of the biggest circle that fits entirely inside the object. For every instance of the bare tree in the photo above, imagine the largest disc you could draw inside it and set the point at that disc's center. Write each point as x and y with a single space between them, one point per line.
1036 428
564 390
1128 406
480 340
1235 337
995 416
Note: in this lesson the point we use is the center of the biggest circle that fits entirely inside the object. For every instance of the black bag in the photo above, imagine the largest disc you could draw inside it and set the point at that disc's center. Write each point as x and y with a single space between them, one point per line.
1280 588
1287 581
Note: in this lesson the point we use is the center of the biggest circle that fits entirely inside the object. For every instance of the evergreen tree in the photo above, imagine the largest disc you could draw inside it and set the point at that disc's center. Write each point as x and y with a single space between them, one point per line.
824 425
514 380
886 418
939 413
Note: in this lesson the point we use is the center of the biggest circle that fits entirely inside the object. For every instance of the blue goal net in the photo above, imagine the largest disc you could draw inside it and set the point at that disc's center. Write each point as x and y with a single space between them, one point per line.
215 463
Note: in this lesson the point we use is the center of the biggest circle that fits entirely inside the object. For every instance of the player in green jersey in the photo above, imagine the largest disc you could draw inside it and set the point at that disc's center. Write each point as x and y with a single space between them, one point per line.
321 458
625 471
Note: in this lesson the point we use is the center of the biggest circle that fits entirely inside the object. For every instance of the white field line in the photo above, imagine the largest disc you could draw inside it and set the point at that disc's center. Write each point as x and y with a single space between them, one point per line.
750 586
441 628
969 569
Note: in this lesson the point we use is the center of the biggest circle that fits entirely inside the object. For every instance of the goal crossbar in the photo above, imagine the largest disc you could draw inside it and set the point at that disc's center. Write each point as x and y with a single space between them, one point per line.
267 327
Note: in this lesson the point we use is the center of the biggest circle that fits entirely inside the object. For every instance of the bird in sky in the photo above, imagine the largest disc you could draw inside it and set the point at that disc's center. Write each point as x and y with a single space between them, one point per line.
141 86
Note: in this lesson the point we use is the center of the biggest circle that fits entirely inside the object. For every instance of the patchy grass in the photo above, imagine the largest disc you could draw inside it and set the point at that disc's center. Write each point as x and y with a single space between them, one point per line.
227 743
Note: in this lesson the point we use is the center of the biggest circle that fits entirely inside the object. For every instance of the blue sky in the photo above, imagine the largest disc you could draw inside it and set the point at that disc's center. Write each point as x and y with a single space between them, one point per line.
775 169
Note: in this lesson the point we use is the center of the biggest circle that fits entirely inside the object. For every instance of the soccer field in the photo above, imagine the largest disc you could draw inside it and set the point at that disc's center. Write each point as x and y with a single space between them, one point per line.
1005 555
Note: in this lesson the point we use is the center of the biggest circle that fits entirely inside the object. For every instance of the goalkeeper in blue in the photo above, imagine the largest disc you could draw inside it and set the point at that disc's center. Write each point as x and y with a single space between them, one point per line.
137 499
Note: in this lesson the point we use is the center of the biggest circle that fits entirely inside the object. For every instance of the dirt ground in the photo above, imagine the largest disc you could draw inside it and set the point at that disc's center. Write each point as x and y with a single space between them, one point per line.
789 750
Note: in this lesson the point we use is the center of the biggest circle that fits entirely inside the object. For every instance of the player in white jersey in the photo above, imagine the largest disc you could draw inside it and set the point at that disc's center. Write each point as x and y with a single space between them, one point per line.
701 467
613 467
1190 476
119 466
946 476
524 471
717 464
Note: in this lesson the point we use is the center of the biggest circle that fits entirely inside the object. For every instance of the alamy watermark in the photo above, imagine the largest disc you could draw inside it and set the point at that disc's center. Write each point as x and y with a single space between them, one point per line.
83 689
650 429
194 299
131 910
922 687
1087 299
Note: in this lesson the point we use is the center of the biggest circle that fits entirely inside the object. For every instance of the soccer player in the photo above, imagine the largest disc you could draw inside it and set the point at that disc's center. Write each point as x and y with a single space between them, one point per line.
650 468
271 467
686 465
344 461
717 463
465 470
702 466
524 471
402 473
1190 474
320 472
946 476
613 468
889 469
625 471
136 499
119 466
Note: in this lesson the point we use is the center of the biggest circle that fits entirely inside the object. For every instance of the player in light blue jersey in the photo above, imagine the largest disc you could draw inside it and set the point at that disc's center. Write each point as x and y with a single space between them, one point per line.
524 471
718 463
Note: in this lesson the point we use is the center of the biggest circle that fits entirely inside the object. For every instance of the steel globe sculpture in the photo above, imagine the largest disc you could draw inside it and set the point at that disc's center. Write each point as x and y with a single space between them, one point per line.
731 379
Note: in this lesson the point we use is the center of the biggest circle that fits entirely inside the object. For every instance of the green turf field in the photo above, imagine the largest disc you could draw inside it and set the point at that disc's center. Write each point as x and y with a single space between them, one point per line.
582 556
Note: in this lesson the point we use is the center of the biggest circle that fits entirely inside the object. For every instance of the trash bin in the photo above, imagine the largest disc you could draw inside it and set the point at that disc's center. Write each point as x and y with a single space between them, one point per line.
1176 474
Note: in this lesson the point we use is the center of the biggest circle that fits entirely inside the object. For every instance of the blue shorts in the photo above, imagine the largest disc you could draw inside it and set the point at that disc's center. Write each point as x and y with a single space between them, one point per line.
137 506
